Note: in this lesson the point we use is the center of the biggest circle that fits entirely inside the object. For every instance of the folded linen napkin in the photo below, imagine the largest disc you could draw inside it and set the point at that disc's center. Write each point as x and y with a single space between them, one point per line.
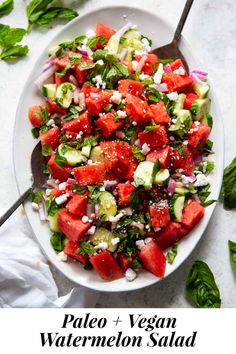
25 277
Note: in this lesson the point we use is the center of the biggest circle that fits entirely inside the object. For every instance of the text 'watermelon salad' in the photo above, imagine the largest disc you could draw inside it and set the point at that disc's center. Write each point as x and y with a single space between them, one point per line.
125 140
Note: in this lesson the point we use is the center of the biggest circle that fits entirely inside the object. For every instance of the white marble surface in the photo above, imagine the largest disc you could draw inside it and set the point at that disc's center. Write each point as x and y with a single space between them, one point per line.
211 30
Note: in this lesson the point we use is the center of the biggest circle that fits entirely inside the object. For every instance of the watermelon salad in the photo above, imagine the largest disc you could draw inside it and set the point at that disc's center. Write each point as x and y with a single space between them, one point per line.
125 140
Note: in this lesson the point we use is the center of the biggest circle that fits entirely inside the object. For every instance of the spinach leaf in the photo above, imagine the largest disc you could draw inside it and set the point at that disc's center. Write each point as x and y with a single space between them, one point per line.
6 7
170 257
232 252
201 287
57 241
228 189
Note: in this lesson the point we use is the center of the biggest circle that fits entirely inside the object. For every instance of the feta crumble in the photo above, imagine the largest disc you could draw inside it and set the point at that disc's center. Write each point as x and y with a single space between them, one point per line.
130 274
179 71
173 96
121 114
51 122
143 77
98 82
140 244
116 97
35 206
134 65
201 180
62 186
61 199
145 149
62 256
92 230
102 245
115 241
85 219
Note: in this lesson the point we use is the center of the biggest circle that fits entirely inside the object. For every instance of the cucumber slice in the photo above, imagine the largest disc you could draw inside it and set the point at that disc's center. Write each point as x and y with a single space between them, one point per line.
200 108
179 104
64 94
73 157
183 123
53 222
176 207
49 90
103 235
208 120
201 90
53 50
106 206
96 154
144 174
184 191
113 45
86 150
162 177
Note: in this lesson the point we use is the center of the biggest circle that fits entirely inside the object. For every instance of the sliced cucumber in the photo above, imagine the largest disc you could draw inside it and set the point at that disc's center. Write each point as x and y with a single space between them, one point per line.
144 174
53 222
72 156
64 94
162 177
106 206
208 120
132 43
184 191
49 90
53 50
176 207
103 235
113 45
179 104
86 150
183 123
201 90
96 154
200 108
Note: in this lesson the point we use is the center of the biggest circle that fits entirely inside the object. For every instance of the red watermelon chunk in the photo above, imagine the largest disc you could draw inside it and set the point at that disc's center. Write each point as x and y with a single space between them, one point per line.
95 104
71 251
159 213
189 99
93 174
139 110
104 31
160 113
150 63
154 138
72 226
163 155
106 266
130 86
108 125
182 160
153 259
171 234
81 75
177 83
197 136
192 214
35 115
60 173
51 138
124 192
82 123
77 205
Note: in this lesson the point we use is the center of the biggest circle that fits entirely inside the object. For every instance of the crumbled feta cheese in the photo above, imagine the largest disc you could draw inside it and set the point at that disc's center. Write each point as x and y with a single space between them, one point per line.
121 114
134 65
143 77
185 180
48 192
204 166
201 180
102 246
98 81
89 162
185 142
134 123
160 87
137 143
92 230
79 135
145 149
174 120
62 256
50 122
100 62
173 96
157 78
140 244
62 186
85 219
61 199
90 33
102 189
116 97
130 274
115 241
147 240
116 218
172 138
179 71
35 206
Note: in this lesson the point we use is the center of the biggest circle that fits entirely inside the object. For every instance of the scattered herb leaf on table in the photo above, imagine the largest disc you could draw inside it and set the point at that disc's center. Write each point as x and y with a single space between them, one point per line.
6 7
228 189
232 252
9 37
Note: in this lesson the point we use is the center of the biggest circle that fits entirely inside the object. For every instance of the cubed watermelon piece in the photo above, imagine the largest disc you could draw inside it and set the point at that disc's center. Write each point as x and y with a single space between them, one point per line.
124 192
182 160
197 137
160 113
171 234
154 138
150 64
71 251
82 123
108 125
104 31
55 108
106 266
176 82
77 205
163 155
139 110
81 75
72 226
153 259
130 86
93 174
50 138
192 214
159 213
60 173
189 99
97 103
35 115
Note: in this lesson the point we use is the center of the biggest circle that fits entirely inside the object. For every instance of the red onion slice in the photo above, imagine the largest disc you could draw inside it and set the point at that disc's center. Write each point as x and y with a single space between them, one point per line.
45 76
42 210
110 184
73 80
141 63
123 29
171 186
51 58
90 211
138 225
196 79
82 51
52 183
200 72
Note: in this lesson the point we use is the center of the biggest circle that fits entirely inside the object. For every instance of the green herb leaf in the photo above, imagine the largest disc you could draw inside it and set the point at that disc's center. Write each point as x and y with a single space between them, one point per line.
77 189
44 129
100 54
228 189
209 202
136 263
92 42
86 66
206 167
108 108
201 287
165 61
170 257
74 112
94 193
55 13
57 241
208 148
203 193
91 140
122 40
149 128
6 7
8 39
232 252
36 197
135 199
63 72
85 248
35 132
137 153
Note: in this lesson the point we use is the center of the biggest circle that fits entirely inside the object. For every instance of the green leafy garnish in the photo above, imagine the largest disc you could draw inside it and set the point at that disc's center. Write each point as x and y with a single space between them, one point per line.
149 128
57 241
206 167
9 37
153 94
35 132
208 202
135 199
100 54
137 153
108 108
36 197
165 61
170 257
74 112
85 248
6 7
39 14
201 286
94 193
232 252
92 42
228 189
136 263
63 72
208 148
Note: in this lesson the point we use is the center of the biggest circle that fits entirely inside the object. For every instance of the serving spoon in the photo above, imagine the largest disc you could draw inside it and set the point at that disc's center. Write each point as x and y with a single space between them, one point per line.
39 180
171 50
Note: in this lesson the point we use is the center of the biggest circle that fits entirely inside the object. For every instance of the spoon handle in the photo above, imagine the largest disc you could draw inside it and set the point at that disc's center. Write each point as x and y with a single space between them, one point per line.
182 20
19 201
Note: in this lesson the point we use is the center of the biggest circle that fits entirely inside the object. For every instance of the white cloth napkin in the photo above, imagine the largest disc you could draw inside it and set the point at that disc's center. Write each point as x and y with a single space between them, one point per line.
25 277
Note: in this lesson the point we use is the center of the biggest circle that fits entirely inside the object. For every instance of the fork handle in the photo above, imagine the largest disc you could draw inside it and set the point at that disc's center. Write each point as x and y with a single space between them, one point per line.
19 201
182 20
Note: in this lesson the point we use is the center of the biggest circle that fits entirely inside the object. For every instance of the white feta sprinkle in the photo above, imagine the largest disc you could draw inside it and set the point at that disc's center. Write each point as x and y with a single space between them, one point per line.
98 81
102 246
173 96
35 206
50 122
137 143
197 123
62 186
134 123
48 192
147 240
179 71
115 218
79 135
116 97
100 62
62 256
160 87
130 274
85 219
143 77
172 138
174 120
185 142
157 78
89 162
145 149
204 166
115 241
185 180
90 33
140 244
134 65
201 180
102 189
61 199
92 230
121 114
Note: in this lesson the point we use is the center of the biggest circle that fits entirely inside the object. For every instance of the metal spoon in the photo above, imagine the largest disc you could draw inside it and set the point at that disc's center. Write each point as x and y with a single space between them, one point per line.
39 180
171 50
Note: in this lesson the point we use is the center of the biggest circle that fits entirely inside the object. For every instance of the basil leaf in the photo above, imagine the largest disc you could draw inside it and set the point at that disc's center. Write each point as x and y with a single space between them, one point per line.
8 39
135 199
100 54
14 53
201 287
208 148
165 61
85 248
36 197
36 8
63 72
232 252
86 66
228 189
209 202
35 132
149 128
137 153
53 13
94 40
136 263
170 257
6 7
57 241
